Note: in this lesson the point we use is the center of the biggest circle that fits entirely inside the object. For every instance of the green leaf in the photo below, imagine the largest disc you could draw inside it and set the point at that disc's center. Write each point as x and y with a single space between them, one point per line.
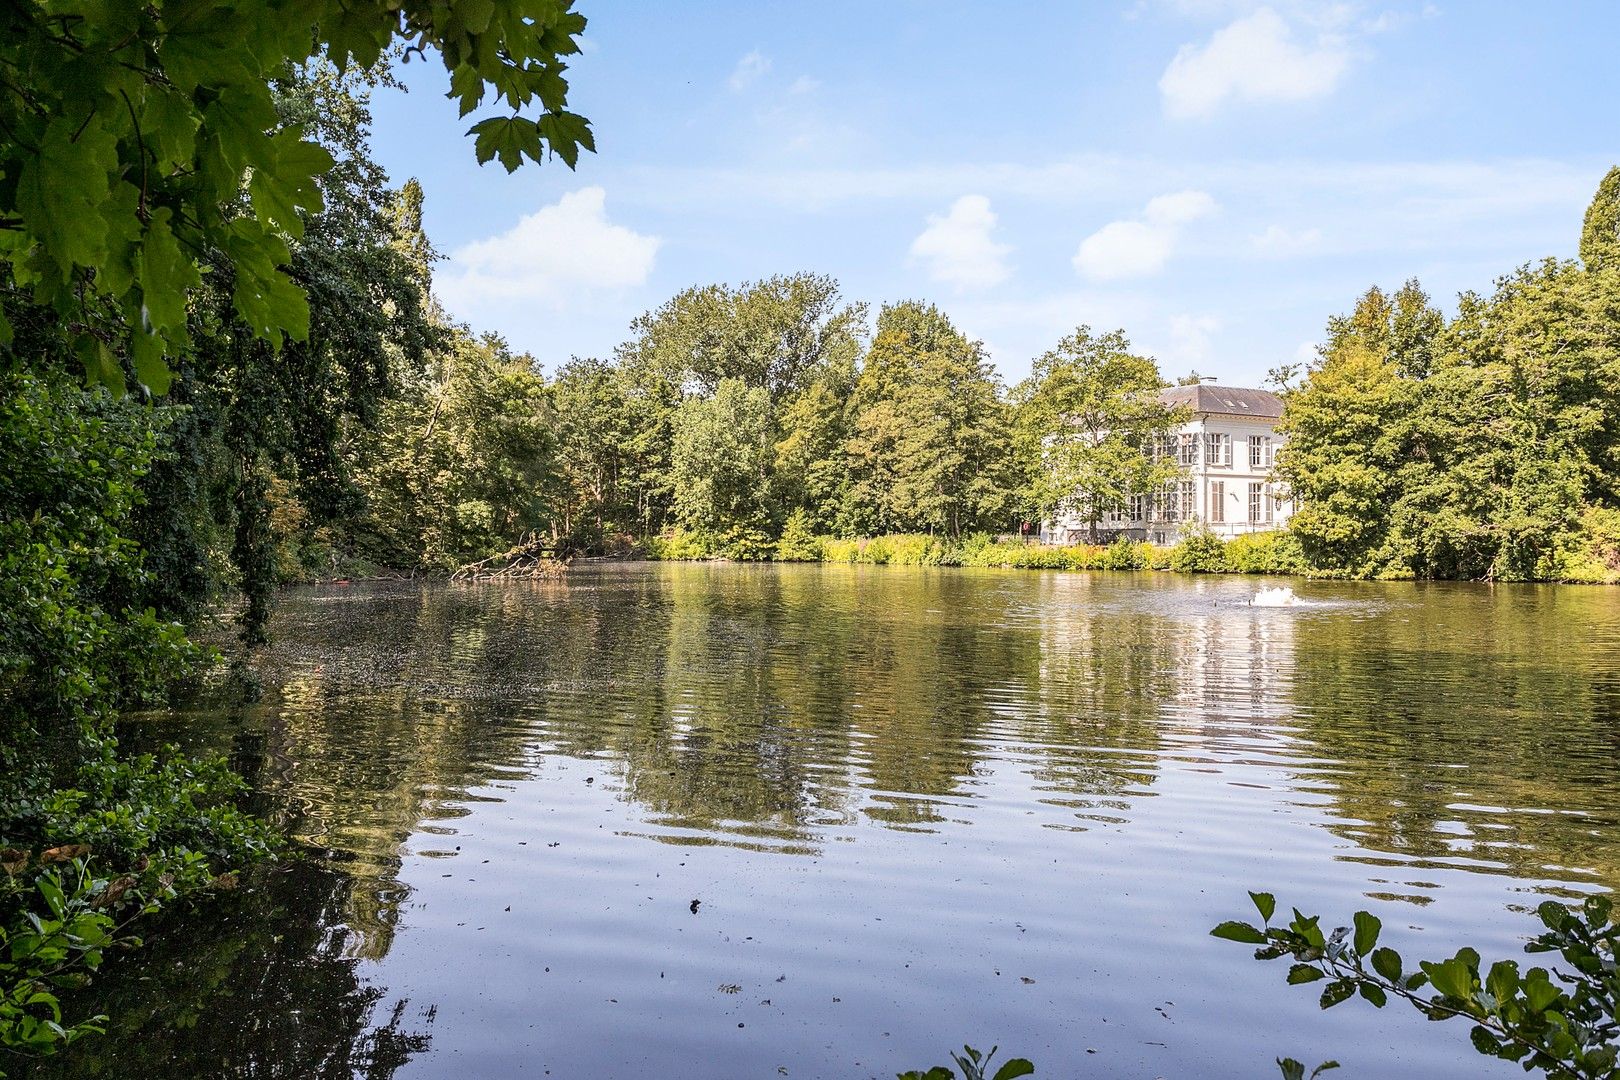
509 138
1368 927
1322 1068
60 192
1291 1069
1336 992
166 275
1304 973
280 189
1014 1068
1265 903
1238 931
1374 993
1387 962
1450 977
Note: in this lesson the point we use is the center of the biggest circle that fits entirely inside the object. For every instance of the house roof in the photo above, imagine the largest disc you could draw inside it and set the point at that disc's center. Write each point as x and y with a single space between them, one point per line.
1228 400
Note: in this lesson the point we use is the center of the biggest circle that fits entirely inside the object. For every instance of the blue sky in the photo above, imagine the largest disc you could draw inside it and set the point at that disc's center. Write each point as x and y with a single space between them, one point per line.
1214 177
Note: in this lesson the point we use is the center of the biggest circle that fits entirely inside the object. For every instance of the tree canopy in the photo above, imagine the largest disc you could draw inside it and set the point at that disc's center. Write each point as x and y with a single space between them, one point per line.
143 147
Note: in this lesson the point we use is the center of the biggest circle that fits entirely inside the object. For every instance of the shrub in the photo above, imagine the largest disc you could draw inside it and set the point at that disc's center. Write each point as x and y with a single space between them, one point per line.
1275 552
919 549
1595 555
1127 554
745 543
1199 552
679 544
834 549
799 542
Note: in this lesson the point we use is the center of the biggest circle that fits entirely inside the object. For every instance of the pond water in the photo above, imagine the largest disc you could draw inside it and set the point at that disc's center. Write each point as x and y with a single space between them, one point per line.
806 821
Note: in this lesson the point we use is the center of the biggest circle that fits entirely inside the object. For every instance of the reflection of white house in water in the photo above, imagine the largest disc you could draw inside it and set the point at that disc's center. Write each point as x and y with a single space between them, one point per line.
1226 450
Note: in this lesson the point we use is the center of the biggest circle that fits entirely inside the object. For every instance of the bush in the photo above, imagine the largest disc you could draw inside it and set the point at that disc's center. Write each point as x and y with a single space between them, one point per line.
838 550
799 542
1595 555
678 545
1275 552
745 543
1199 552
1127 554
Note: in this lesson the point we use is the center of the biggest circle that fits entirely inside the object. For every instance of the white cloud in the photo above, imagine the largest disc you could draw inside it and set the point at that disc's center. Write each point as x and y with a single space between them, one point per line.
1190 338
804 84
749 70
549 256
1278 242
1253 59
1134 249
958 248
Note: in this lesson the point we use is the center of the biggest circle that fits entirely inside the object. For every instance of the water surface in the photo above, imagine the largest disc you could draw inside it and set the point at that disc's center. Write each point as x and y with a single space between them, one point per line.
757 821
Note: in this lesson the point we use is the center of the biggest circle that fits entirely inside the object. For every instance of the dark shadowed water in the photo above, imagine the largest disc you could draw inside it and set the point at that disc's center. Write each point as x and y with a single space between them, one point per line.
686 821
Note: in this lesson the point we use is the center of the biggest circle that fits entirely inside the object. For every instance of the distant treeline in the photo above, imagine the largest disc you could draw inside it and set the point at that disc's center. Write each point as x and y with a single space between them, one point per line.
768 420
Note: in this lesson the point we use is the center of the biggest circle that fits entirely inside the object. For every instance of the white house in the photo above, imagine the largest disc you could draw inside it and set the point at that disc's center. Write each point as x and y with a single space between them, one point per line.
1226 451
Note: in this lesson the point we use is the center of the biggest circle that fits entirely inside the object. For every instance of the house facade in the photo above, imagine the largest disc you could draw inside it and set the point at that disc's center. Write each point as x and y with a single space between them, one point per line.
1226 451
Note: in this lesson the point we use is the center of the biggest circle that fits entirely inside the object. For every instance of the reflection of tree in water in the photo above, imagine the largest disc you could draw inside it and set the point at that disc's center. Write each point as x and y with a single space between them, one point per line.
1476 729
257 983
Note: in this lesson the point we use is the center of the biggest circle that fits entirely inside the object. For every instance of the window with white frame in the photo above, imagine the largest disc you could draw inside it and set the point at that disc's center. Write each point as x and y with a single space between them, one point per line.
1138 508
1187 448
1217 449
1217 502
1271 504
1259 451
1189 503
1257 503
1169 503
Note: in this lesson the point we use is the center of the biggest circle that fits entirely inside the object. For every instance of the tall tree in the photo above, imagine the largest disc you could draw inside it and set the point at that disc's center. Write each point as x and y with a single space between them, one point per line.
928 444
1347 428
787 336
1600 231
1086 418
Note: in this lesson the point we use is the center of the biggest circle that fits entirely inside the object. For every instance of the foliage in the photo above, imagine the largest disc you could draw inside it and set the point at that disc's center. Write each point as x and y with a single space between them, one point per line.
1084 415
799 543
463 463
1475 449
721 458
928 447
1564 1022
131 129
1274 552
1199 552
974 1066
73 651
680 544
1600 230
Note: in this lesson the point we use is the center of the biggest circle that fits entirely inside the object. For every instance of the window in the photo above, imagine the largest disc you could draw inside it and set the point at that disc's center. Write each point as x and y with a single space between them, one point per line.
1189 506
1187 451
1259 451
1257 502
1138 508
1271 504
1217 502
1217 449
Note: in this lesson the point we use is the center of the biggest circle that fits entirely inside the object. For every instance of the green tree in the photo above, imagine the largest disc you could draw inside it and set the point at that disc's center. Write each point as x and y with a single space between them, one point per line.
464 464
595 455
791 337
1084 418
1600 231
131 129
1347 430
721 462
928 443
